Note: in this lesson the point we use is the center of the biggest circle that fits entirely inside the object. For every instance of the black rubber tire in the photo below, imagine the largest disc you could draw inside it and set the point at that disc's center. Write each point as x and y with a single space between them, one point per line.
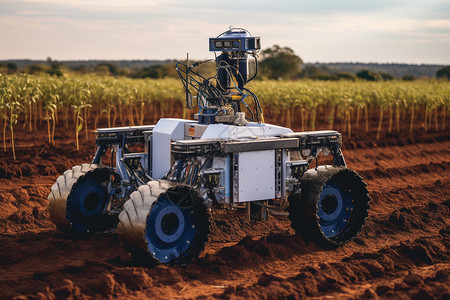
57 199
98 221
133 223
303 205
61 198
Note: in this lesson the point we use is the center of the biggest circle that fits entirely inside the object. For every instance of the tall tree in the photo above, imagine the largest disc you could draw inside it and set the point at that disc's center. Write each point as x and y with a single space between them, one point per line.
443 73
280 62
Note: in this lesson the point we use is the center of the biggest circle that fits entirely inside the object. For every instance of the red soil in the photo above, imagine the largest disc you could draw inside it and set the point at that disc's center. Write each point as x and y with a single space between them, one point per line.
403 252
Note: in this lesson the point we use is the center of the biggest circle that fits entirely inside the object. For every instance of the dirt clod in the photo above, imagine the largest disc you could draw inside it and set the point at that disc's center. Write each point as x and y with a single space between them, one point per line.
413 280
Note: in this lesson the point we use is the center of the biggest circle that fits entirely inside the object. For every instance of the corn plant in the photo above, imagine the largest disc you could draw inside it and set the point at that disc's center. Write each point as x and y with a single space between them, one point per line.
34 99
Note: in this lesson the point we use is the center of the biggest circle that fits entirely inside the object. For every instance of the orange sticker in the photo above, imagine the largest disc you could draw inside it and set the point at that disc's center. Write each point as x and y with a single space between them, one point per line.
191 131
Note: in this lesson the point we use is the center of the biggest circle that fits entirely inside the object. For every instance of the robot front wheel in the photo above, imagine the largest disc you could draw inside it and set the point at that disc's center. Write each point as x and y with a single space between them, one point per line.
164 222
78 201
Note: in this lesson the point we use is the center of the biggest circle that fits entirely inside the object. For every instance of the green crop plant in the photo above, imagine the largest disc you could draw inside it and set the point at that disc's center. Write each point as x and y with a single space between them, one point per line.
11 106
70 101
78 112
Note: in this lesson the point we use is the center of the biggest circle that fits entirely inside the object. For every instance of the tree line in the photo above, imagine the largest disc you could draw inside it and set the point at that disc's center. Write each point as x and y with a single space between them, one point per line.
274 63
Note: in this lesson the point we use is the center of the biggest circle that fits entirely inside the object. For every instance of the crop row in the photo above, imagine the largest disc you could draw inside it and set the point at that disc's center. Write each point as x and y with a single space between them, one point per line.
73 100
351 102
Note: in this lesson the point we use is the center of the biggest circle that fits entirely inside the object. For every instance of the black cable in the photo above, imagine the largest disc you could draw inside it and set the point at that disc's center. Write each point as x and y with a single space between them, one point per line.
256 70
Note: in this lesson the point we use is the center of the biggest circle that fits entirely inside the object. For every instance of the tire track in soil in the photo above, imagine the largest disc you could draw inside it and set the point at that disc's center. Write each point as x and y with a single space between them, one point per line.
404 249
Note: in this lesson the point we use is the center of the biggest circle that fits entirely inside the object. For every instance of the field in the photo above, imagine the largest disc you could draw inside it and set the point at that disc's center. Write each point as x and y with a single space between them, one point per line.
71 101
399 143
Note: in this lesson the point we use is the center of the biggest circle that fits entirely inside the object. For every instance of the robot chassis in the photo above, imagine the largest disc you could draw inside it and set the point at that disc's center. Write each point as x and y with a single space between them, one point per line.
160 201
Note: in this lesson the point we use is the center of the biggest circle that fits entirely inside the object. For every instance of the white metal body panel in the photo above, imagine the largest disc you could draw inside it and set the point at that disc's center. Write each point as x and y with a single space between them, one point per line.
256 175
165 131
194 131
251 130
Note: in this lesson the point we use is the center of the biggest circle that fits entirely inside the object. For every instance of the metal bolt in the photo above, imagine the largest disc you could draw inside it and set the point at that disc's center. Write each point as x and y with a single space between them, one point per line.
193 226
188 242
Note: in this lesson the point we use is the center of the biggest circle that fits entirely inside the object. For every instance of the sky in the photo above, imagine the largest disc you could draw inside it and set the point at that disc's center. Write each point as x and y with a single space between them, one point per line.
381 31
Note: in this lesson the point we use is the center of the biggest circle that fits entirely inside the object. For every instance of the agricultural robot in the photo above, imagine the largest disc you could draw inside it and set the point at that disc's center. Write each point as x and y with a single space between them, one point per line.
160 201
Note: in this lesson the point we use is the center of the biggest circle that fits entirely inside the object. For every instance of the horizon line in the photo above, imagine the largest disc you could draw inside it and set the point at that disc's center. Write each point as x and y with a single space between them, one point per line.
173 59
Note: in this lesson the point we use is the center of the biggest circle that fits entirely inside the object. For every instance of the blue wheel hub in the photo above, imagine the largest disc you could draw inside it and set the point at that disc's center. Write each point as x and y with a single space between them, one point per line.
92 199
170 230
169 224
86 204
334 209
